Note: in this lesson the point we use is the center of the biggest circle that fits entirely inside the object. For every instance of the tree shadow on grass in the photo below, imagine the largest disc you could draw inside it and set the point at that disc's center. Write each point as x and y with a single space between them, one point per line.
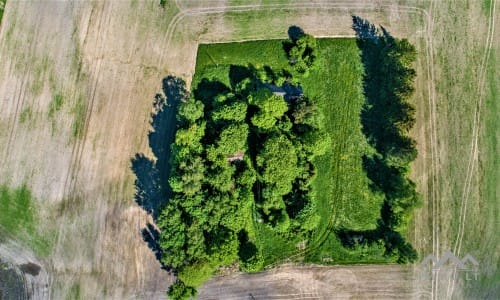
151 184
386 170
206 90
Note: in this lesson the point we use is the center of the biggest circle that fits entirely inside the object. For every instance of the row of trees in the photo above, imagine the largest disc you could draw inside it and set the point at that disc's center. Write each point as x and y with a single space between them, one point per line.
239 152
387 118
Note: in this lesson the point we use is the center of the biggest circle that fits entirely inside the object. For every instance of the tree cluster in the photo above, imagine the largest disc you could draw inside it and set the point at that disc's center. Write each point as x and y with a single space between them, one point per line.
240 153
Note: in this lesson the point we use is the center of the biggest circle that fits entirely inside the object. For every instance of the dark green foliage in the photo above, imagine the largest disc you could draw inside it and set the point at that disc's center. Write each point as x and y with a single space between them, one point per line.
301 52
277 164
190 111
232 138
250 256
179 291
236 111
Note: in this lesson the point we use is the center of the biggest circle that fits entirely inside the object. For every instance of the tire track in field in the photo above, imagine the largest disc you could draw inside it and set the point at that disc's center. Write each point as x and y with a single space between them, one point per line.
19 103
238 8
433 195
474 152
79 144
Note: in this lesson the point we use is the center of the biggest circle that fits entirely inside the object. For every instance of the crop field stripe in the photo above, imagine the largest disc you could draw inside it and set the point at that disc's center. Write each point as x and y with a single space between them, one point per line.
433 198
79 144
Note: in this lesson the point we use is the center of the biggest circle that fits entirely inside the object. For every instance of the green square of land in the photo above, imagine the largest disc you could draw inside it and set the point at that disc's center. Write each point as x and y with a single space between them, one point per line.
343 196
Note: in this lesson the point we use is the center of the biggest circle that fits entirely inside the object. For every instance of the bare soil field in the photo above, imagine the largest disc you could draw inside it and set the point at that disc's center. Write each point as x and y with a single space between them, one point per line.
315 282
106 60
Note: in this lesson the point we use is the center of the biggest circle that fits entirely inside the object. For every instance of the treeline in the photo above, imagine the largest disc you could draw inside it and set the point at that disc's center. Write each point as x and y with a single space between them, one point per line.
240 155
387 118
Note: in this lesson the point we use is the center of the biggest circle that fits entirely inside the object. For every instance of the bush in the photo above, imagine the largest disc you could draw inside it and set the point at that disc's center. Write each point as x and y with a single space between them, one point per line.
179 291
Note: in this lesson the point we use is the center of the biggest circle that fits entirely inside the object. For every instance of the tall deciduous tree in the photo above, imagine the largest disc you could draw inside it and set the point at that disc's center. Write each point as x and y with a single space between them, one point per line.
271 108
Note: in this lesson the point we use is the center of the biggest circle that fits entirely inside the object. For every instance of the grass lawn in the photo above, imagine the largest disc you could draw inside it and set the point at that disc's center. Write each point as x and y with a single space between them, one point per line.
343 196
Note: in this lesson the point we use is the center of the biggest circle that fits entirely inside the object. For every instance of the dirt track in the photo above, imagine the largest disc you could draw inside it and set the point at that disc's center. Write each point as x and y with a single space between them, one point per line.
114 55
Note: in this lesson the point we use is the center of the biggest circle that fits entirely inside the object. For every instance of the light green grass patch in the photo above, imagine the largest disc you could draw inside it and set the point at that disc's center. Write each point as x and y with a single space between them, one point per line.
74 293
486 7
40 69
484 246
55 104
19 219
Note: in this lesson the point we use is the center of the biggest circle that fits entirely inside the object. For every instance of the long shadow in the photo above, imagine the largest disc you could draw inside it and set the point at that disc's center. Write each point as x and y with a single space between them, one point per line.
151 184
383 109
206 90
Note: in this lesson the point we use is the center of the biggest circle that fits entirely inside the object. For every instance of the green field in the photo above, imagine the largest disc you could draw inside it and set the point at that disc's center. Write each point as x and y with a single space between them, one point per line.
344 198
